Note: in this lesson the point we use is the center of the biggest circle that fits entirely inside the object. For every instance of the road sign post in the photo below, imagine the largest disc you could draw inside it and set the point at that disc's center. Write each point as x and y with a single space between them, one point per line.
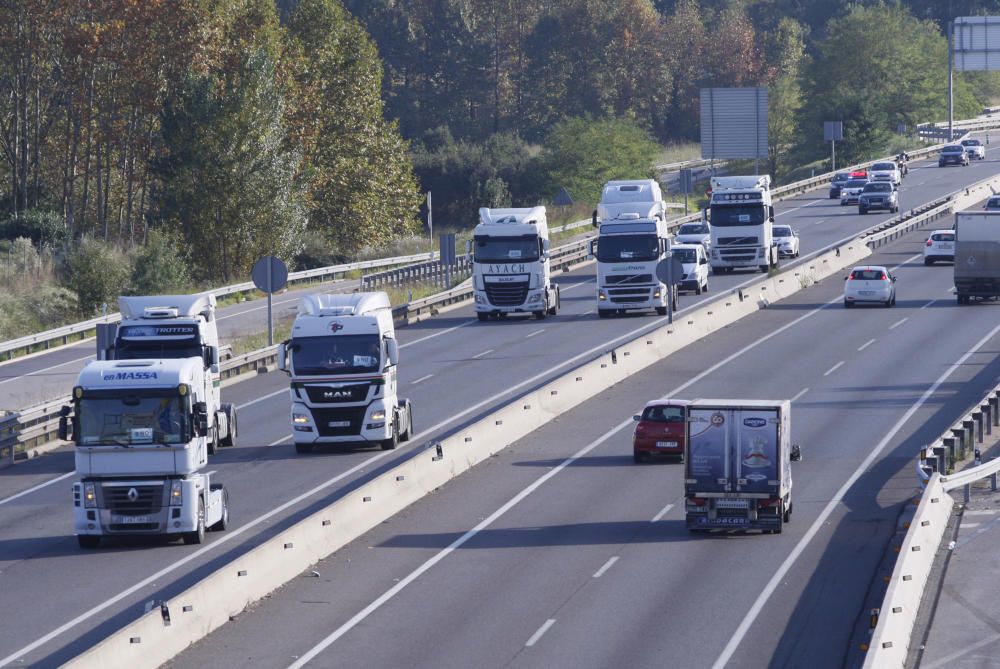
270 275
447 255
669 271
832 132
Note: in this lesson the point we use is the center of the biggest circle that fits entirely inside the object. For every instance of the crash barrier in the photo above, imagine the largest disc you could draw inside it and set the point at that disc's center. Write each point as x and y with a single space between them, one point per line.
893 634
191 615
940 130
432 270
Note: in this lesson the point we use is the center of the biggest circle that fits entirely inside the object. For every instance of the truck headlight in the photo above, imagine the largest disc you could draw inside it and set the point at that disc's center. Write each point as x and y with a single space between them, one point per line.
480 299
299 419
378 414
601 295
90 495
535 296
656 294
715 253
176 493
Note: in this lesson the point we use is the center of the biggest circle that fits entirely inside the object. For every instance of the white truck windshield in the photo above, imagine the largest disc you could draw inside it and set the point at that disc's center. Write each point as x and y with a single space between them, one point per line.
132 420
736 215
618 248
506 249
336 354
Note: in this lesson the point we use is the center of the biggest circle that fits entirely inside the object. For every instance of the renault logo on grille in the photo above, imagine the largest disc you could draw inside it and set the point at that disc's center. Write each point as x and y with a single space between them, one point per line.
132 494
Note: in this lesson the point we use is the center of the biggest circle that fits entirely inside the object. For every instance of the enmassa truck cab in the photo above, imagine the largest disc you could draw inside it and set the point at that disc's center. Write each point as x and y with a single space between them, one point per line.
342 358
511 271
141 430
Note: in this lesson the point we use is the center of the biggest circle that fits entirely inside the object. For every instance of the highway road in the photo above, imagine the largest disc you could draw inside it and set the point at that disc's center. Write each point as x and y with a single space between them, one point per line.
563 552
79 597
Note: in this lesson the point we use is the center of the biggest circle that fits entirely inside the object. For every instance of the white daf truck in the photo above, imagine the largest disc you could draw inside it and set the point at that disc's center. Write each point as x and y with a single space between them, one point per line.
511 272
168 327
742 217
632 239
141 431
342 357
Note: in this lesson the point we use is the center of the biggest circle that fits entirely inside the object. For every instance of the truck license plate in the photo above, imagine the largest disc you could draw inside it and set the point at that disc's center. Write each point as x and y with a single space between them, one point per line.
666 444
339 423
130 520
724 520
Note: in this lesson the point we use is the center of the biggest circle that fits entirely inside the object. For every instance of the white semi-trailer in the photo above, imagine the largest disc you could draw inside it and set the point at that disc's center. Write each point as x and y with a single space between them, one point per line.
742 217
342 358
511 271
141 431
632 239
977 255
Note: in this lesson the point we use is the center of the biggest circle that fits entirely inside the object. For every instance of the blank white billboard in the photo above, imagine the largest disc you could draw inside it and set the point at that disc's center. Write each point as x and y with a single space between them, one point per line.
734 123
976 43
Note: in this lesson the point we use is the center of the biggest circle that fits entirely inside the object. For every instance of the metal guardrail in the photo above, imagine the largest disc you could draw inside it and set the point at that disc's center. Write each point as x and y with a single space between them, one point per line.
940 130
63 335
432 270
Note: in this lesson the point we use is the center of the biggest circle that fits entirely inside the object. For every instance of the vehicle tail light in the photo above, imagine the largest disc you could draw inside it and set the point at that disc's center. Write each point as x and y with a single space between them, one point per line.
696 501
884 277
766 503
929 243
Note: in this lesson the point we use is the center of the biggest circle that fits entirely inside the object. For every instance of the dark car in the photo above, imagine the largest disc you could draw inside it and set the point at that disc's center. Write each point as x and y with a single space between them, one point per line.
878 195
953 154
839 179
659 429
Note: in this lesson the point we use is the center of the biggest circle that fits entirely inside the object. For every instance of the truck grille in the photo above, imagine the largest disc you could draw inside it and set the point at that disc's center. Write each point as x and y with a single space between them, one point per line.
357 392
621 279
620 295
148 498
507 294
738 254
736 241
354 416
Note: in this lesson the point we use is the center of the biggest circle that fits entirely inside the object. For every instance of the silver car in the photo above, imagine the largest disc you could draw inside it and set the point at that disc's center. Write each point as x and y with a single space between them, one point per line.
695 233
851 191
872 284
878 195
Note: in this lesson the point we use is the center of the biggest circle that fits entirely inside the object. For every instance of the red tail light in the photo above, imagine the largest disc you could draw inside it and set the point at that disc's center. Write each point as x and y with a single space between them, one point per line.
765 503
697 501
928 242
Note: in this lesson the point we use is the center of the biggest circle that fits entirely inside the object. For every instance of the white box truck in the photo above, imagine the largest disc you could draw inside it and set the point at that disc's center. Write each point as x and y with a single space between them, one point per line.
342 358
175 326
977 255
742 216
511 271
141 431
632 239
737 459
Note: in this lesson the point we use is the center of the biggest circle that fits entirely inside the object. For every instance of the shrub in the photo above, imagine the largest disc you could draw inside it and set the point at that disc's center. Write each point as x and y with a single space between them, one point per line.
98 273
160 267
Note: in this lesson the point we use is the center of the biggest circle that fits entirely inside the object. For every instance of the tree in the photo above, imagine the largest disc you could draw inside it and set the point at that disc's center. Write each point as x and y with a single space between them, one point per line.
97 273
159 267
786 50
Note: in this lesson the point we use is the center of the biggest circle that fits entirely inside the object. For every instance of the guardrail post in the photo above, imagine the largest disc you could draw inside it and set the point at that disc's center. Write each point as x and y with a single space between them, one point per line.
977 419
967 492
941 458
951 443
969 426
993 481
995 406
987 412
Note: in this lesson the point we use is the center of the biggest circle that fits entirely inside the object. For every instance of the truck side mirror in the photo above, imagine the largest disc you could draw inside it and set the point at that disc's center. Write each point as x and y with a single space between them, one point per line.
392 351
593 219
283 357
593 248
200 410
65 433
770 209
796 454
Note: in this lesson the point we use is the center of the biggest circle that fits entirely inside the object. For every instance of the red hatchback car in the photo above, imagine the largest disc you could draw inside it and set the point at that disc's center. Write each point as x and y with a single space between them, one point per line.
659 430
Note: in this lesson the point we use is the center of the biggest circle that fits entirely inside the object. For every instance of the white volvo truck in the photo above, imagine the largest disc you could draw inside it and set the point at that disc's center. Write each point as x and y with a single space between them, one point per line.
632 239
742 217
141 430
174 326
342 359
511 271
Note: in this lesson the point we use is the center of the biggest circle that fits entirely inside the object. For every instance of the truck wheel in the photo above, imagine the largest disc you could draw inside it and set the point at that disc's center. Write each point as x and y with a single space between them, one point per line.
787 516
704 288
662 311
213 441
393 441
483 316
88 540
230 438
222 523
303 448
540 315
555 307
764 268
697 289
198 535
409 424
603 313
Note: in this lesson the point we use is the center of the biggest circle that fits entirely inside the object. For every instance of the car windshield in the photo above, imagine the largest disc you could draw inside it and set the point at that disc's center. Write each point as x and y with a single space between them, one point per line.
335 354
943 237
663 414
841 176
734 215
615 248
993 203
878 188
131 420
686 255
507 249
953 149
782 231
693 229
867 275
856 183
884 166
970 142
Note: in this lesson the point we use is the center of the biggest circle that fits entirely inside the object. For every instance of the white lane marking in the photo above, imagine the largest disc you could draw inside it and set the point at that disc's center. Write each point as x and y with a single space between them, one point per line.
866 344
541 630
799 395
664 511
422 378
285 438
209 473
978 512
274 303
262 398
511 503
607 565
587 313
968 526
788 211
536 332
822 220
479 355
834 368
579 283
46 369
898 323
779 575
437 334
948 659
37 487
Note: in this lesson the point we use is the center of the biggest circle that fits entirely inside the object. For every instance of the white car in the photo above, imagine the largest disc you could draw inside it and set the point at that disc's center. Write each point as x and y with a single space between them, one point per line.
871 284
787 241
992 204
695 262
974 149
699 232
851 191
887 171
940 246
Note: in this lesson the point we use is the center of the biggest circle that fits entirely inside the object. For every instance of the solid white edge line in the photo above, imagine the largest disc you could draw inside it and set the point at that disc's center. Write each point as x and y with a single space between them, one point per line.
834 368
799 395
422 378
479 355
779 575
607 565
898 323
664 511
262 398
45 369
866 344
37 487
536 332
437 334
541 630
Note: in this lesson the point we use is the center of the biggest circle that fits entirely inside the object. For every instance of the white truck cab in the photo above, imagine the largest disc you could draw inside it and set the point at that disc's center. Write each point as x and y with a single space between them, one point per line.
511 271
632 238
141 430
742 217
342 358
